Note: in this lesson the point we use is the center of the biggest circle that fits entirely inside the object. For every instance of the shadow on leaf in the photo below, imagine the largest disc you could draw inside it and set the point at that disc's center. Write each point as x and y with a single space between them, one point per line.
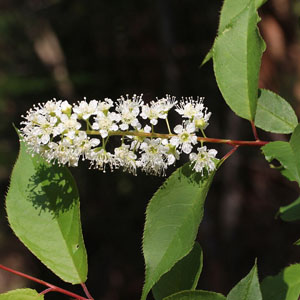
50 190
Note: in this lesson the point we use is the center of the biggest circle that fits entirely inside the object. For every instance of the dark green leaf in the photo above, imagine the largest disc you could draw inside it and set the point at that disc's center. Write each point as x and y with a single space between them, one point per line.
247 289
183 276
172 220
290 212
196 295
21 294
237 55
274 114
284 286
42 205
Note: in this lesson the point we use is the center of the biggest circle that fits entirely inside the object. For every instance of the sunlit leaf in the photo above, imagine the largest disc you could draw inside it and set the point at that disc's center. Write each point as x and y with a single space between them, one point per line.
274 114
42 205
247 289
22 294
237 55
172 220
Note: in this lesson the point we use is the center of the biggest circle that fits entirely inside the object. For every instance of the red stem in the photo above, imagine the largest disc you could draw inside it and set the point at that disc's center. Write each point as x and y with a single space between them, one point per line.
254 131
52 288
233 142
86 291
256 143
228 154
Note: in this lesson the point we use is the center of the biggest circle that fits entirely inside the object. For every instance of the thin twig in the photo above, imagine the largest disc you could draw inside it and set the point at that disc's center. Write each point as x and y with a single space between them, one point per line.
53 287
86 291
256 143
254 131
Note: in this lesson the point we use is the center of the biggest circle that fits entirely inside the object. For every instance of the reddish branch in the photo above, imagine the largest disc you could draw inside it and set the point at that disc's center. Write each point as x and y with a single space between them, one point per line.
256 143
51 287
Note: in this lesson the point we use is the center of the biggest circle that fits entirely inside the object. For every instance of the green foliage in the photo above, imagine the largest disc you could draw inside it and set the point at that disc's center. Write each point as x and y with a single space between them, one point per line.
172 220
237 55
232 8
284 286
42 205
290 212
288 154
247 289
274 114
183 276
21 294
196 295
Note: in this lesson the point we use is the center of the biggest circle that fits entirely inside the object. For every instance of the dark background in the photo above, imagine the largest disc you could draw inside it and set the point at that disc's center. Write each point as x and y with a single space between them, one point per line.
71 49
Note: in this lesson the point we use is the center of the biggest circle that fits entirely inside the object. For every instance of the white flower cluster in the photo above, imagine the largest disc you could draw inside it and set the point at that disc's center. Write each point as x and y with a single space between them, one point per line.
62 132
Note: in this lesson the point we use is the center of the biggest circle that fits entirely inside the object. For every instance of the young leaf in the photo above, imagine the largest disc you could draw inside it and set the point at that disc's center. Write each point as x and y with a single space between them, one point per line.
274 114
196 295
288 154
290 212
183 276
237 54
172 220
285 285
231 9
247 288
22 294
42 205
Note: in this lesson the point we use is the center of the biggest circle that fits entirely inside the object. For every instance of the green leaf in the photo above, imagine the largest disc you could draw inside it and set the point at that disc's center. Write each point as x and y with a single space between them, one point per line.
183 276
237 56
172 220
297 243
231 9
196 295
207 57
274 114
290 212
247 289
42 205
284 286
287 153
22 294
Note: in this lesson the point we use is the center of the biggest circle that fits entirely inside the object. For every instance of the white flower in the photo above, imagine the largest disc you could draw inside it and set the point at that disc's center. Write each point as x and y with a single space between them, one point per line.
68 125
84 110
129 110
151 113
126 158
189 108
203 160
104 106
84 144
158 109
153 158
100 158
185 137
106 123
201 120
164 105
63 152
172 152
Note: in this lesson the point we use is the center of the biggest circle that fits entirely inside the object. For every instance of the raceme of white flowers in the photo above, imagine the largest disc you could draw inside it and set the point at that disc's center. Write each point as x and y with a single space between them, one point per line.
65 133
